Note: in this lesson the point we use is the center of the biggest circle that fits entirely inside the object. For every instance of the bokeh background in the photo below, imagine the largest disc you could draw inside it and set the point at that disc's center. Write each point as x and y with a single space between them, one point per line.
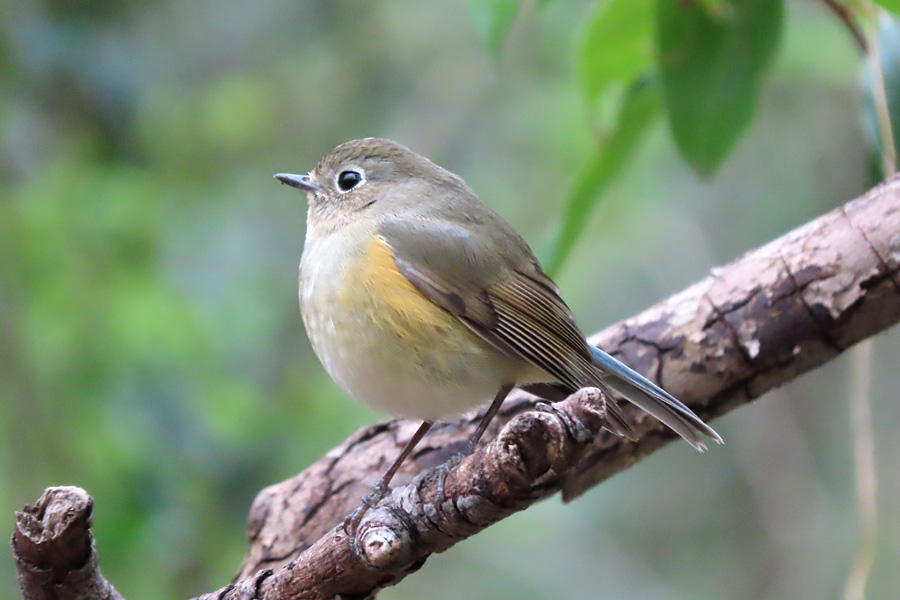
152 352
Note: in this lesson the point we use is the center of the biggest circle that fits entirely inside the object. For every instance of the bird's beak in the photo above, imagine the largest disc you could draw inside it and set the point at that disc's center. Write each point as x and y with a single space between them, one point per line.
301 182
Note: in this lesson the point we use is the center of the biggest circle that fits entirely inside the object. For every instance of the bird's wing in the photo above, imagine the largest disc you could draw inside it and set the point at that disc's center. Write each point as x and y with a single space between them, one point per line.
497 289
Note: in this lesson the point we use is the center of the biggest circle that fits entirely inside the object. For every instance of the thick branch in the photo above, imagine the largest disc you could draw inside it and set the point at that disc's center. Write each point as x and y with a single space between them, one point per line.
750 326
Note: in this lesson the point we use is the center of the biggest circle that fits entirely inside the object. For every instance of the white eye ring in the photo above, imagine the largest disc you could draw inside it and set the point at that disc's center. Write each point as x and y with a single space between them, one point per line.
348 179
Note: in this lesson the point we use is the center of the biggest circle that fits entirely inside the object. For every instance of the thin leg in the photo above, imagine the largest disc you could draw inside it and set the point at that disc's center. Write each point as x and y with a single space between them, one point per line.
489 415
381 487
382 484
445 468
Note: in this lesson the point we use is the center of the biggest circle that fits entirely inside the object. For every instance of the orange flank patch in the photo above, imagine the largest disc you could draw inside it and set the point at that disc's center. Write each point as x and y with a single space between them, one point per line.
396 307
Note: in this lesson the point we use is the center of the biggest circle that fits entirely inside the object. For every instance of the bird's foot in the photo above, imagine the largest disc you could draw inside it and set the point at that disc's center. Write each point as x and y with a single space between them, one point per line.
441 471
370 500
577 430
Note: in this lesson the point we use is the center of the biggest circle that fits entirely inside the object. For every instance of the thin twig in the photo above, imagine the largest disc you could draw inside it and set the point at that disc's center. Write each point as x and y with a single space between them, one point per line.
882 109
846 16
866 478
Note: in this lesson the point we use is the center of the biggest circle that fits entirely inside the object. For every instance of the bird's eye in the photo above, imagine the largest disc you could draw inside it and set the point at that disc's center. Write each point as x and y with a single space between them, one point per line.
347 180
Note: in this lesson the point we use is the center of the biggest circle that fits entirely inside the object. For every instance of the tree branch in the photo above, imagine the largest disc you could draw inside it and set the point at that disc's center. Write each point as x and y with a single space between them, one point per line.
755 324
54 549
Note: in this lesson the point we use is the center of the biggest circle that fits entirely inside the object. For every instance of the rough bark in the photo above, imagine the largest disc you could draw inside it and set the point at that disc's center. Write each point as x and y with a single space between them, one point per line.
54 549
750 326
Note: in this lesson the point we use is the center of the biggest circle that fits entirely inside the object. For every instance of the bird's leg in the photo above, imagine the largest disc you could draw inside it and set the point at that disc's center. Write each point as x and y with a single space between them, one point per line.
381 487
488 417
470 446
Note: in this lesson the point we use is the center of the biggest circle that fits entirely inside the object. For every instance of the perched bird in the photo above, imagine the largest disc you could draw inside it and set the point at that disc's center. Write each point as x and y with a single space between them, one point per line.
422 302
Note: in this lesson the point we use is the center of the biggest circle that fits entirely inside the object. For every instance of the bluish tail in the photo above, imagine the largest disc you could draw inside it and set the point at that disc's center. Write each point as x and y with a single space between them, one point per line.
650 397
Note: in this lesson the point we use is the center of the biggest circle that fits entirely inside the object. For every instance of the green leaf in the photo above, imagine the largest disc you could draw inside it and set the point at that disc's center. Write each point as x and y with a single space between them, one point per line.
493 18
641 105
616 46
712 62
889 50
891 5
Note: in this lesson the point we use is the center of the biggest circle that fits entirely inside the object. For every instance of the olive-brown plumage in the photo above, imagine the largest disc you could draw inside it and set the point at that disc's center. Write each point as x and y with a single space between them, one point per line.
421 301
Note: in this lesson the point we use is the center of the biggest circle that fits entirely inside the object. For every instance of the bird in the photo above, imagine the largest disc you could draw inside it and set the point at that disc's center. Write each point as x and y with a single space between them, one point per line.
422 302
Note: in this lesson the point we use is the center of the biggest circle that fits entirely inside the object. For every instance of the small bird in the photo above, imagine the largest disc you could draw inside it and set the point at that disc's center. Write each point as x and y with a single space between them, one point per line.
422 302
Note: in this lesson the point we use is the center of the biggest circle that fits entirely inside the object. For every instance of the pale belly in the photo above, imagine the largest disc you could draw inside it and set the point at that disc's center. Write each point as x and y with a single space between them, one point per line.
389 347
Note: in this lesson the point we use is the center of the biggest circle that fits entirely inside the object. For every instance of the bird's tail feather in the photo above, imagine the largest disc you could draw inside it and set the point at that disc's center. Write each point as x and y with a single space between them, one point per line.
650 397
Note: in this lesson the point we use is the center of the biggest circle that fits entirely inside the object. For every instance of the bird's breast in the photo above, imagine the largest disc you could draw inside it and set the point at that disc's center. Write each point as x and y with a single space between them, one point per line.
385 343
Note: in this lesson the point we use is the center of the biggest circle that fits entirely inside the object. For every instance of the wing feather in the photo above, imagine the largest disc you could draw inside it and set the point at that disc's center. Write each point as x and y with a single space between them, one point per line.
505 298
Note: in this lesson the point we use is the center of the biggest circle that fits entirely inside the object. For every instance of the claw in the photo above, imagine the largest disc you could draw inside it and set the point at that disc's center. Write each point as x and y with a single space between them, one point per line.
370 500
576 429
441 471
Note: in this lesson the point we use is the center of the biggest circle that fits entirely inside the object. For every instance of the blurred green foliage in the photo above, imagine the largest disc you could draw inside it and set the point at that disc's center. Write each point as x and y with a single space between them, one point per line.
889 53
891 5
711 66
493 18
616 47
151 350
639 107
